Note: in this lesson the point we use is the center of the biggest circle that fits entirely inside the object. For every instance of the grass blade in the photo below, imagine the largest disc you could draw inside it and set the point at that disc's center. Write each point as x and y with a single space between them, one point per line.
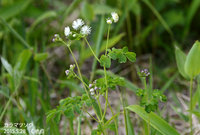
14 9
191 12
79 125
98 45
14 33
155 121
157 14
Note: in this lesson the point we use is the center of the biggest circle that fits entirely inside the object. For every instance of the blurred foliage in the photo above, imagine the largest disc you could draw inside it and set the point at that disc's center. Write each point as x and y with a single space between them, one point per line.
26 48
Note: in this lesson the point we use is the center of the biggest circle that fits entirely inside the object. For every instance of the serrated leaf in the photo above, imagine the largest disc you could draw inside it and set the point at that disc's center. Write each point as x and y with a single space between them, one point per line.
57 117
50 115
122 58
41 56
105 61
125 49
69 113
113 55
131 56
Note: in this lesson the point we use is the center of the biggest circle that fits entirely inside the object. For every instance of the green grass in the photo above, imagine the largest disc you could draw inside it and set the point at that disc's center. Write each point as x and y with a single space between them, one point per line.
32 66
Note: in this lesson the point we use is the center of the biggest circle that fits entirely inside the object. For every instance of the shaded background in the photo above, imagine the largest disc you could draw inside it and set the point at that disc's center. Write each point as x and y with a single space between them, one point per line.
150 28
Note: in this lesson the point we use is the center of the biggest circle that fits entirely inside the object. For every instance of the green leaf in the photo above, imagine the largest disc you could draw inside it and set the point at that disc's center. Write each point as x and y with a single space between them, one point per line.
155 121
125 49
105 61
14 9
128 84
192 63
87 11
131 56
122 58
40 56
112 118
103 9
192 10
180 60
158 15
122 55
7 66
50 115
23 60
113 55
46 15
111 42
129 124
95 132
4 91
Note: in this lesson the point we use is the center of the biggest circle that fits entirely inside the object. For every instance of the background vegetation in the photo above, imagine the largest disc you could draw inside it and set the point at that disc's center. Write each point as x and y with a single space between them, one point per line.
36 81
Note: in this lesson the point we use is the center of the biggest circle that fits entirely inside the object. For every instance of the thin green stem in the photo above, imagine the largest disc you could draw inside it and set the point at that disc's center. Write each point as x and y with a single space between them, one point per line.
107 39
105 109
99 62
124 110
79 72
105 73
7 104
82 81
190 112
98 101
91 116
91 50
147 100
116 126
149 124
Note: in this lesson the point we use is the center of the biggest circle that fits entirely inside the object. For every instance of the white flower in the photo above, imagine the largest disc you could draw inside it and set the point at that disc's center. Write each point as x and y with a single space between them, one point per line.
67 31
56 35
77 23
92 93
85 30
67 72
115 16
90 85
53 40
74 35
91 90
109 21
72 66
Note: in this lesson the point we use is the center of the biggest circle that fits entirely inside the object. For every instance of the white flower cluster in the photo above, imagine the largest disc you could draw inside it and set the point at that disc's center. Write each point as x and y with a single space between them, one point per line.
93 88
114 17
70 69
77 25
